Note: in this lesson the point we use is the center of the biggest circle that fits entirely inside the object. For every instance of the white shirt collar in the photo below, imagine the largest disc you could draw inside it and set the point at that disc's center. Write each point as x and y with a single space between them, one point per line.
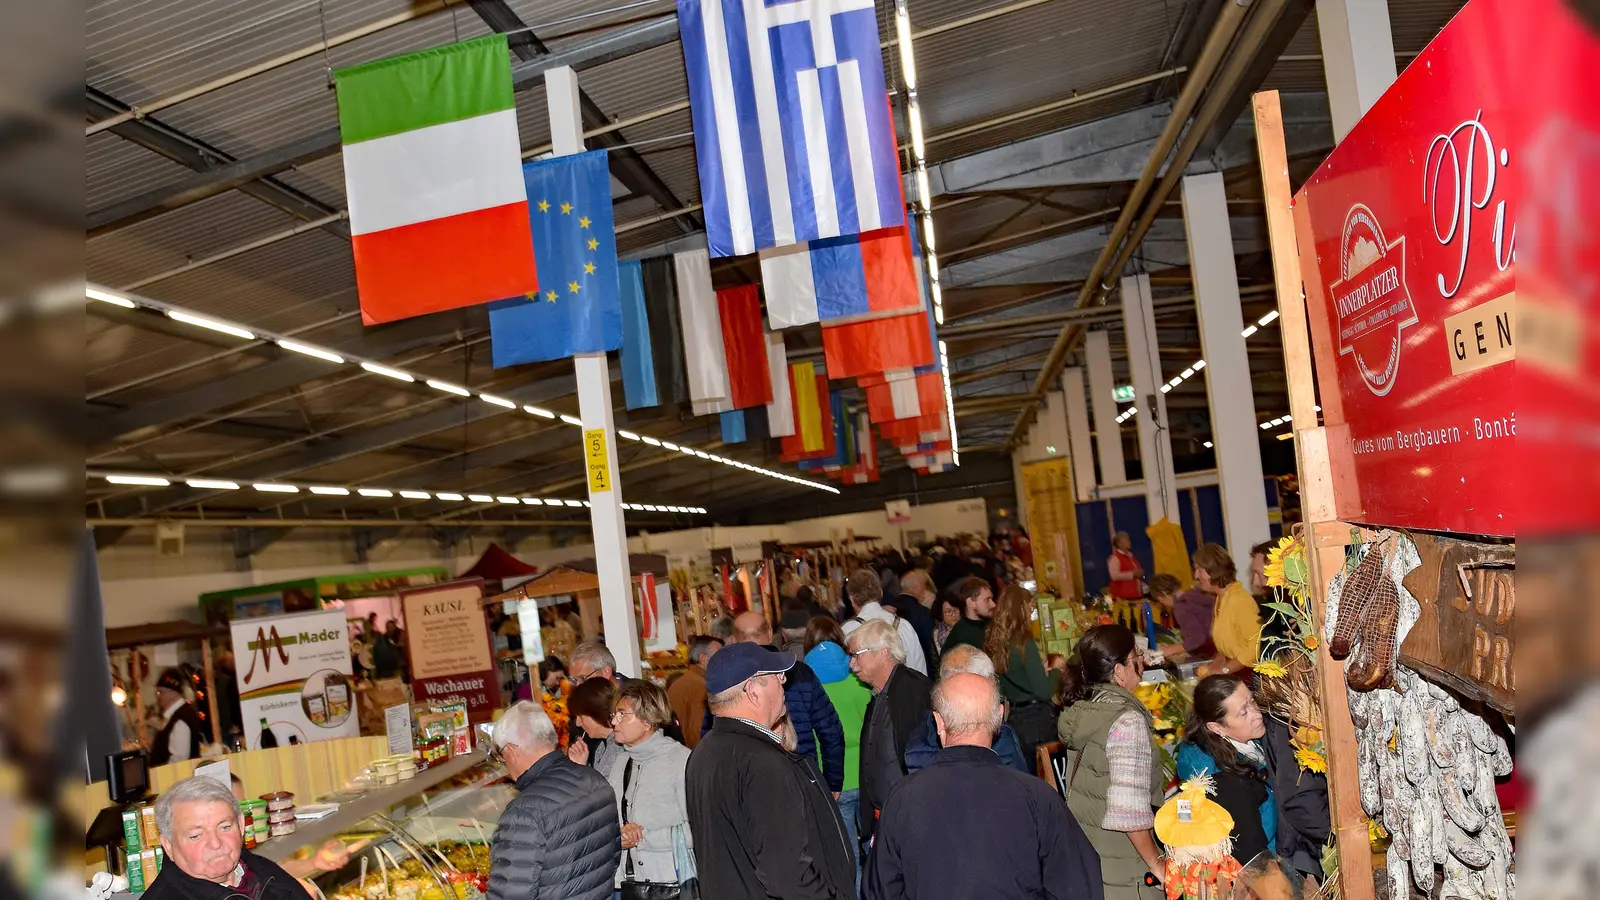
169 712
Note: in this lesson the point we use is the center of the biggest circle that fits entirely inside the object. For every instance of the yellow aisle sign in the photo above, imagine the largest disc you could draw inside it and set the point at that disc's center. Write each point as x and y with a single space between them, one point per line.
594 448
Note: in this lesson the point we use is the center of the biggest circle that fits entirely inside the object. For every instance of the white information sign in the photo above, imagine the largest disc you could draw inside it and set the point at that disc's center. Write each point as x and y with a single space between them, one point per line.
295 678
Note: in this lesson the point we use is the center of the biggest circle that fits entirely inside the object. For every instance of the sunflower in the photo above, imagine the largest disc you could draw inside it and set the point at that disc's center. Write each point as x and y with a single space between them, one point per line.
1269 669
1286 564
1310 760
1311 642
1307 736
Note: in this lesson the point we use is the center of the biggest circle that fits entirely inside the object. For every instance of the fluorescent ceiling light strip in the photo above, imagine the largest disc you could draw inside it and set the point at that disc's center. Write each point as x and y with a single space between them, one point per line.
1207 445
141 480
308 350
1199 364
549 502
1267 319
497 401
622 432
480 498
416 495
570 420
387 372
330 491
574 503
511 501
271 488
212 484
449 496
537 411
108 297
649 440
449 388
209 324
1248 331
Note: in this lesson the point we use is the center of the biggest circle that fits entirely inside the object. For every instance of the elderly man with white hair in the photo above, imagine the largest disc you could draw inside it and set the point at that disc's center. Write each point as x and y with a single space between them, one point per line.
899 703
923 746
202 834
1022 842
559 838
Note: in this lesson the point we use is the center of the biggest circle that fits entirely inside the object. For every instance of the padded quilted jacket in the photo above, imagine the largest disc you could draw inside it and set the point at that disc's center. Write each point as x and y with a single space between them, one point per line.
559 838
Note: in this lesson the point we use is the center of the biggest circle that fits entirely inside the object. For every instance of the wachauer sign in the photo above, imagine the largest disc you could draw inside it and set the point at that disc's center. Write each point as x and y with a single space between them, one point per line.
1407 237
447 639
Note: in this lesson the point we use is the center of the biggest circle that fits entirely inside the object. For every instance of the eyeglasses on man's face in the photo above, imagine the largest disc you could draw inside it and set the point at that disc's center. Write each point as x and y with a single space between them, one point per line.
857 654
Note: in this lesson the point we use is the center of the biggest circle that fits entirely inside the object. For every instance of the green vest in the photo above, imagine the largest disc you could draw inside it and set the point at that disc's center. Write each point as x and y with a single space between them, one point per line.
1083 728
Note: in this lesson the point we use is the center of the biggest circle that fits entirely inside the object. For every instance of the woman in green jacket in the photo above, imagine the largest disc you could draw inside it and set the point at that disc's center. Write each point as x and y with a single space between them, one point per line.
1114 779
1018 666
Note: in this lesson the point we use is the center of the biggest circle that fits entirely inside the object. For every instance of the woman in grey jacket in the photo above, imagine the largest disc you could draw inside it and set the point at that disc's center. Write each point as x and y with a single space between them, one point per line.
648 782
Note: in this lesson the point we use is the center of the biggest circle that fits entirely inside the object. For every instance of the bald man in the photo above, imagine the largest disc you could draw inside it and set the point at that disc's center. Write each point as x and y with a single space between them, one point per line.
970 827
816 724
922 747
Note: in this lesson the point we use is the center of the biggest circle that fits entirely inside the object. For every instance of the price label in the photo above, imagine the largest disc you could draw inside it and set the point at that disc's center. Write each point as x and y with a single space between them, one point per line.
594 448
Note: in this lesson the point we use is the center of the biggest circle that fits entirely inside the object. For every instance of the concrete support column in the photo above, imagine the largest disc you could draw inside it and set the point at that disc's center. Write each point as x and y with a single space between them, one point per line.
1102 399
1234 431
599 429
1357 57
1155 433
1054 419
1078 439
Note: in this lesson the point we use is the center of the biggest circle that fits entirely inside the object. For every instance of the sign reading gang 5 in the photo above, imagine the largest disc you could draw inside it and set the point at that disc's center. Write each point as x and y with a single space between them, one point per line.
1407 241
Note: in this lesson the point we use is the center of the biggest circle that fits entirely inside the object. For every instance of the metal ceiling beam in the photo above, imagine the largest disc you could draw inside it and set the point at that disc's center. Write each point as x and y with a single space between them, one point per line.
202 157
1070 256
626 163
224 170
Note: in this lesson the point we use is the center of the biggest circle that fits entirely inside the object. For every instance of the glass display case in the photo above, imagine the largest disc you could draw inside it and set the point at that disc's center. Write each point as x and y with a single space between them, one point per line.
422 839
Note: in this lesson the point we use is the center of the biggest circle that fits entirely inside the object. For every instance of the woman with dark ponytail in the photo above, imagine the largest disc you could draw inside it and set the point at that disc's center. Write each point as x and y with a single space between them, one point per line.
1224 740
1114 782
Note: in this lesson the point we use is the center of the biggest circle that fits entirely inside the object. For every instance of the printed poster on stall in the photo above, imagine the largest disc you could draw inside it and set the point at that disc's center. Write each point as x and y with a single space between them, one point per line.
1407 237
1053 525
447 639
295 678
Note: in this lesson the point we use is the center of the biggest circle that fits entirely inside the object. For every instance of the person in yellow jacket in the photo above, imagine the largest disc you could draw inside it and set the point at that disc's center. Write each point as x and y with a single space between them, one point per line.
1236 623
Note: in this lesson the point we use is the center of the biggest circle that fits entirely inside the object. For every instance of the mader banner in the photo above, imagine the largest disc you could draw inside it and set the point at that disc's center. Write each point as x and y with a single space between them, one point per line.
1407 237
447 640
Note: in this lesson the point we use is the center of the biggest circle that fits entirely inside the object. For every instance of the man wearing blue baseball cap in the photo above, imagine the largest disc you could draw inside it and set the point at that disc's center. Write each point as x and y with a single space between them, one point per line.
763 820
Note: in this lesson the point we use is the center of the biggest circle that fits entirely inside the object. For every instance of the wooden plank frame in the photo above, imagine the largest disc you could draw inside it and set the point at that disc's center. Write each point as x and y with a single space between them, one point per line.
1320 484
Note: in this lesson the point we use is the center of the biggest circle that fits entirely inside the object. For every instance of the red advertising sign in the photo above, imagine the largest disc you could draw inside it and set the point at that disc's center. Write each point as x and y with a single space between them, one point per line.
447 640
1407 238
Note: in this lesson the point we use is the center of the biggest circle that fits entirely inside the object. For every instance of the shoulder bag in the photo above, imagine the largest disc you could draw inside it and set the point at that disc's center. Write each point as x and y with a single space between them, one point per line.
650 890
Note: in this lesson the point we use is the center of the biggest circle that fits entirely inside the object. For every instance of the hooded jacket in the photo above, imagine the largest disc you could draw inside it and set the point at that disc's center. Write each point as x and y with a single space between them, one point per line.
850 699
559 838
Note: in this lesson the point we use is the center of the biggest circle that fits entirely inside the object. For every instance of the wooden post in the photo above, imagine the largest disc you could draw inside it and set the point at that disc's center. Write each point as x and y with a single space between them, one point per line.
211 690
137 697
1317 494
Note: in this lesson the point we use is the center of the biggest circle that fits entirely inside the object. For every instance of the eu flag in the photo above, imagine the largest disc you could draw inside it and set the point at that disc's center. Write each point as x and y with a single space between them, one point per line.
578 307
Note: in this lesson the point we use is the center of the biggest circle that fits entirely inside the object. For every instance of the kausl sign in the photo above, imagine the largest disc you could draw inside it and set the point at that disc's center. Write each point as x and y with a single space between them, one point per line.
447 641
1407 236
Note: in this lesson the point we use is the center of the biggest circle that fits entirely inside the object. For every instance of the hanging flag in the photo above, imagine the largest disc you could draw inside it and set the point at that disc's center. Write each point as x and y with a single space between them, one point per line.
648 611
438 210
780 412
702 333
666 342
840 279
877 345
792 134
808 425
890 398
744 344
733 430
580 308
869 451
638 357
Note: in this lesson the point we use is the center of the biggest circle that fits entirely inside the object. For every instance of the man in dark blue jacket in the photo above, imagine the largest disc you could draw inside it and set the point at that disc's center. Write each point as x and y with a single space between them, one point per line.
815 722
922 748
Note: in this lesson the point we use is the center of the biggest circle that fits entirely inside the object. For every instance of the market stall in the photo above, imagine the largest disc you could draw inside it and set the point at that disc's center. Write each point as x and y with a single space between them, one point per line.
1407 328
137 656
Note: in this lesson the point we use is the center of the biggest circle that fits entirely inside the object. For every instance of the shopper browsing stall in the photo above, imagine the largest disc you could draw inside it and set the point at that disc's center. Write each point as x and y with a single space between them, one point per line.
900 702
977 605
1024 684
591 705
649 785
1224 741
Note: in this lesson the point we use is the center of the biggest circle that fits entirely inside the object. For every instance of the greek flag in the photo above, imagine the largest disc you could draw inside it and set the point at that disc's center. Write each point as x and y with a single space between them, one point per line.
791 121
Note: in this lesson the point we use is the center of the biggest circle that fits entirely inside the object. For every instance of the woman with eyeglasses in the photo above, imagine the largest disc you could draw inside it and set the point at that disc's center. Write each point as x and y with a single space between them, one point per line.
591 705
1224 741
1114 780
648 782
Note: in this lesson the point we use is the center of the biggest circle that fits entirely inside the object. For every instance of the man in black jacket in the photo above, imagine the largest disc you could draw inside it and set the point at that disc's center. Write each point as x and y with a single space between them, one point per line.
202 835
1302 798
1023 843
764 824
559 838
899 703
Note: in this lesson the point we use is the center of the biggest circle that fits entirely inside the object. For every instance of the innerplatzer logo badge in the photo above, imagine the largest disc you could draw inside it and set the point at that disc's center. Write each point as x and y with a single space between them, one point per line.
1372 299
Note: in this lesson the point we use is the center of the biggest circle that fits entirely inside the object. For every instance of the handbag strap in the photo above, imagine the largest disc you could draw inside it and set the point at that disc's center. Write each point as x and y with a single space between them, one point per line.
627 801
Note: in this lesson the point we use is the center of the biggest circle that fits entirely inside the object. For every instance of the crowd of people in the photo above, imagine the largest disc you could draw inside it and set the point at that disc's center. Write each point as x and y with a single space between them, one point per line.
884 751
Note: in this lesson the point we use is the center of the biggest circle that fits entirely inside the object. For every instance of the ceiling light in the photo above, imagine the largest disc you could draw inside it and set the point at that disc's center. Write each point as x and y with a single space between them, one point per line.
308 350
669 445
497 401
212 484
1265 425
1187 373
532 501
1267 319
509 500
924 194
1207 445
914 115
449 388
908 67
650 440
571 420
586 504
574 503
374 492
198 322
276 488
1288 418
545 413
622 432
328 491
1176 380
1317 408
449 496
416 495
143 480
386 372
1199 364
1166 389
1248 331
480 498
107 297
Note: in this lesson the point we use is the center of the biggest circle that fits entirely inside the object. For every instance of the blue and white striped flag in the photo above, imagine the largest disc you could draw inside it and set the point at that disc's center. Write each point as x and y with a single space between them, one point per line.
791 121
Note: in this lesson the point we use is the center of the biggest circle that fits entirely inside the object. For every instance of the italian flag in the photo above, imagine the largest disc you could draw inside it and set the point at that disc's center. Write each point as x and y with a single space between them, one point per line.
433 177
